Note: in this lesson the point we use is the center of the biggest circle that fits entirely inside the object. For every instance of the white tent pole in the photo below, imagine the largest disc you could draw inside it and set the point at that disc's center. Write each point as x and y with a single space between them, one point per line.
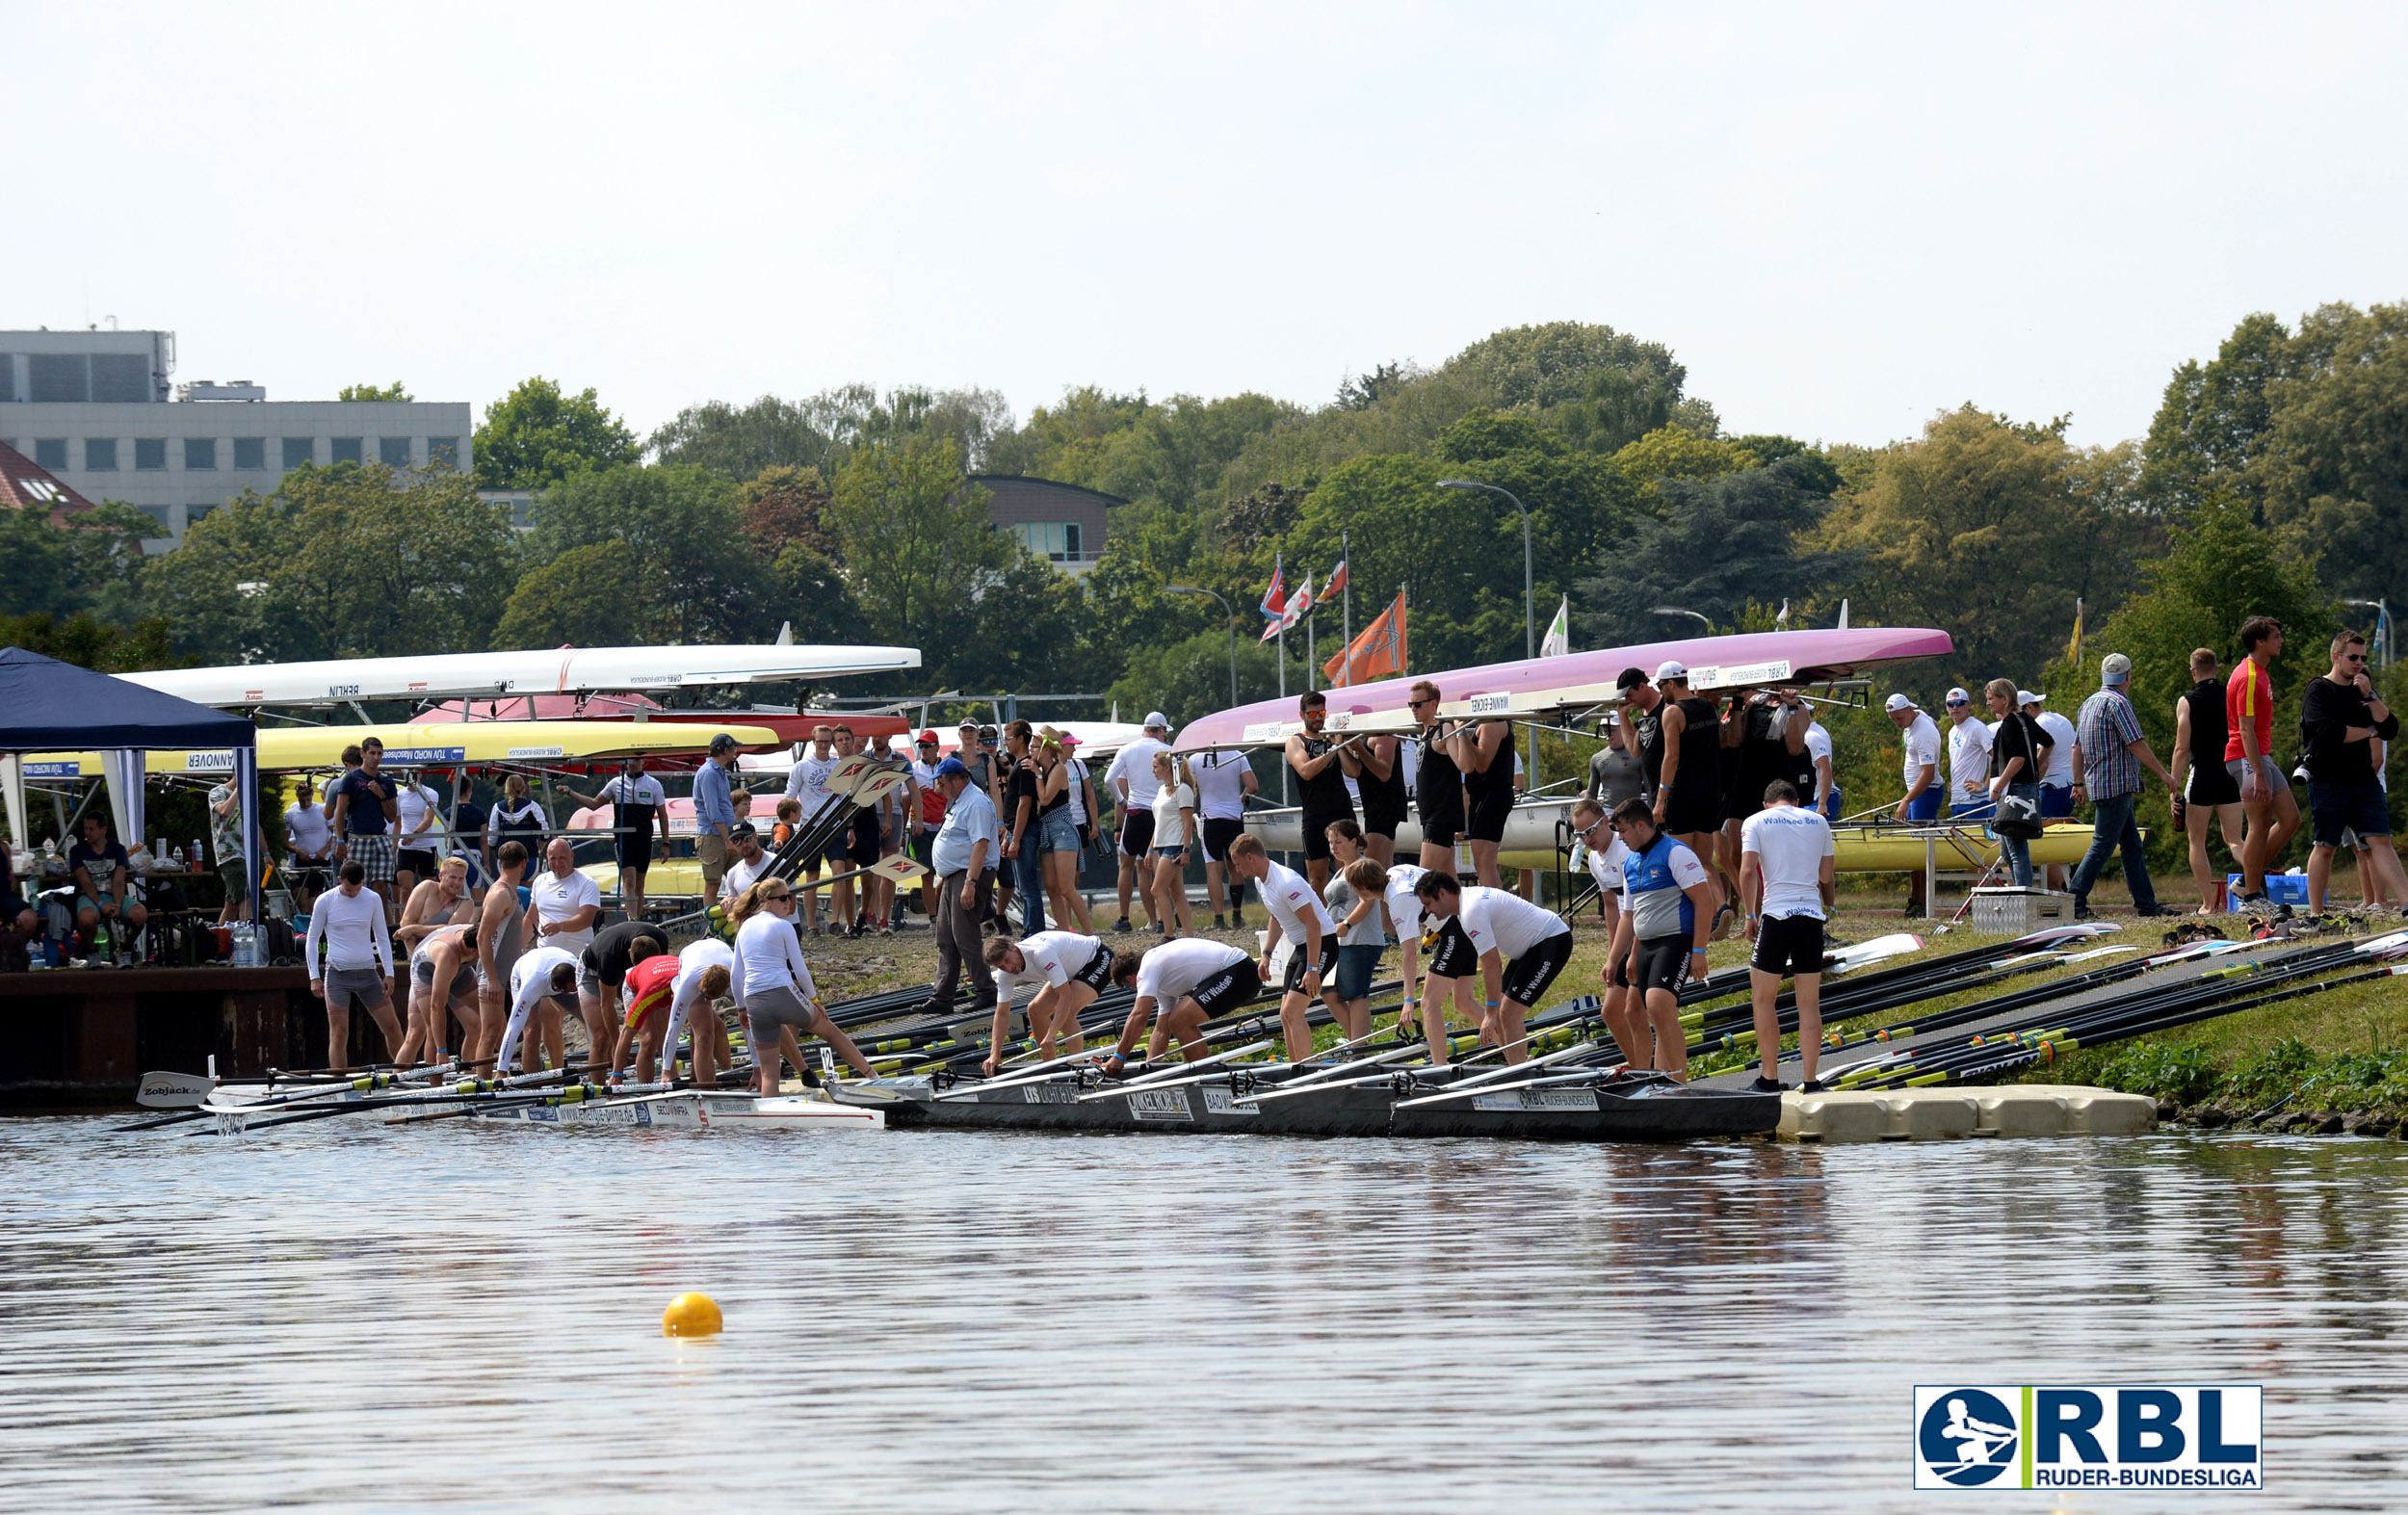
12 779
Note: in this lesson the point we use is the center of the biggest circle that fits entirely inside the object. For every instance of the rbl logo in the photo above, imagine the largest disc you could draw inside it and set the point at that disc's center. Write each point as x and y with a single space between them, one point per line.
2154 1436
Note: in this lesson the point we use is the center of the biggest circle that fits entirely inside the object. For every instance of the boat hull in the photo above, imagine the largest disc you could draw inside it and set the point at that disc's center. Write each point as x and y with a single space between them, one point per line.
691 1112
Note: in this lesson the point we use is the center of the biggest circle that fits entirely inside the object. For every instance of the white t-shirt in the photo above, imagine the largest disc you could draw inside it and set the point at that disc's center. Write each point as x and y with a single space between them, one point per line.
685 991
2060 773
1817 744
646 789
1969 763
1219 784
1176 967
557 898
1169 801
1404 906
1606 866
417 802
1135 763
1289 896
1789 843
769 955
1050 957
1077 778
807 779
1505 924
742 875
531 983
1922 747
306 829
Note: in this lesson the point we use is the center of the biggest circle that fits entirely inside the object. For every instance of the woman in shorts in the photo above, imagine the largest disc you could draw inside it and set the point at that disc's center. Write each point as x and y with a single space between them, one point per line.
1174 832
1058 842
1362 936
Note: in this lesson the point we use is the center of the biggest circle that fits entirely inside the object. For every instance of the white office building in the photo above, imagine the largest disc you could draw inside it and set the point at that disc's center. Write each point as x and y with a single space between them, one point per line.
97 409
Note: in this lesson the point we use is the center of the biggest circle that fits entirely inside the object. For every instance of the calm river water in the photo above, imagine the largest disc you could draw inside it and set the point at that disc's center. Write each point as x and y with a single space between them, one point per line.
454 1318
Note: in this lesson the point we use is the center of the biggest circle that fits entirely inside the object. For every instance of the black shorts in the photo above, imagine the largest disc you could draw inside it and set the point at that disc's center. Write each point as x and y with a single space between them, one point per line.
1528 976
634 852
1663 962
1232 988
866 838
1381 816
1219 832
1452 957
1302 962
1693 811
1441 825
1786 945
1488 817
415 860
1137 832
1097 974
1317 834
2210 784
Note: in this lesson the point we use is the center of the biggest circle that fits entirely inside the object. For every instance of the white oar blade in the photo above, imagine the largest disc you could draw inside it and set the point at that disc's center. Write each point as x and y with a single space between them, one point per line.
173 1091
1880 947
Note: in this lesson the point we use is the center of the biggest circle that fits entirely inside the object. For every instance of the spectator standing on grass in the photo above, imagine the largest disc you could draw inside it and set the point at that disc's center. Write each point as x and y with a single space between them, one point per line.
1023 846
1131 779
2340 718
2018 754
929 816
1174 835
2205 789
226 840
2266 796
2110 753
963 845
2056 783
1969 759
714 813
1057 831
309 845
1921 805
1223 778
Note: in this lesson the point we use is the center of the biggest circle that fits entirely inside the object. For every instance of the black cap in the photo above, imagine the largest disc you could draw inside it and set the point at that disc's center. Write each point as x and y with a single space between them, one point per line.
1630 679
724 743
742 829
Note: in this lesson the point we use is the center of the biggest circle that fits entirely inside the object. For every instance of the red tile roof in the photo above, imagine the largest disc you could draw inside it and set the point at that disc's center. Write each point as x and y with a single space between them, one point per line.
25 484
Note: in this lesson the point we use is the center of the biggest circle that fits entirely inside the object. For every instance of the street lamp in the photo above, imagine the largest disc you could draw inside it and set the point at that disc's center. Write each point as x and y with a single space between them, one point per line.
2382 626
1675 610
1529 630
1190 589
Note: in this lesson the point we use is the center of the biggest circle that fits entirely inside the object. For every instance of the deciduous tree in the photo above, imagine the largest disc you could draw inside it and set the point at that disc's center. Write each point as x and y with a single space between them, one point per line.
537 435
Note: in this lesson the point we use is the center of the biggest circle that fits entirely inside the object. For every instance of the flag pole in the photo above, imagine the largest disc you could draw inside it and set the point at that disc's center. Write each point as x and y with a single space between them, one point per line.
1343 556
1279 575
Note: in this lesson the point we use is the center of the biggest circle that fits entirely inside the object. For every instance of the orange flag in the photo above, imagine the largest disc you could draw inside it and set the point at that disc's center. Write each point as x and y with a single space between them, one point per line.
1378 653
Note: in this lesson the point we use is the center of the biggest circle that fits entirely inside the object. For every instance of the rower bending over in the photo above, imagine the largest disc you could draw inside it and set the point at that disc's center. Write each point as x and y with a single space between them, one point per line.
1297 915
662 992
442 983
1197 977
1520 948
1071 970
778 994
602 969
547 972
1392 888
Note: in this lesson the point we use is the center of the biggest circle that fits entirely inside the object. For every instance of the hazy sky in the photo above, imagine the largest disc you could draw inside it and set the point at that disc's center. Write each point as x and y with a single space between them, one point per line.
1843 219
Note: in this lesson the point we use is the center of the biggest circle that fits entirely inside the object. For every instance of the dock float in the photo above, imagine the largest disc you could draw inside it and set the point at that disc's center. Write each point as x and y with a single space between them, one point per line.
1938 1114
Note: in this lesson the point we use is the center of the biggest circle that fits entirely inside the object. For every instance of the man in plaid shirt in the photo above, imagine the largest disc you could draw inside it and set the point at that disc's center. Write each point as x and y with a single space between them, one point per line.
2108 754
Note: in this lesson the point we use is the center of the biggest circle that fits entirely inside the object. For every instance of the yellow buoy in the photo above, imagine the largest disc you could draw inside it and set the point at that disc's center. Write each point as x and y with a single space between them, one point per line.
691 1314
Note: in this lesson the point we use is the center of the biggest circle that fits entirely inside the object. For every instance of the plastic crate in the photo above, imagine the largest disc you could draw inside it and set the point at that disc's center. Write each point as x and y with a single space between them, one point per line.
2019 912
2290 889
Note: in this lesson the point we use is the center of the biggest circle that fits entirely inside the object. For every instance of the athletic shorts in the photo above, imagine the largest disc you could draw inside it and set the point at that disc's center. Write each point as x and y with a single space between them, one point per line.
1137 832
374 854
1357 966
1317 834
838 853
644 1004
1302 962
1487 822
1663 963
1693 811
2056 800
634 852
866 838
463 980
1379 817
1217 833
344 985
767 1009
1925 806
1528 976
1452 957
2341 808
1233 989
1097 973
417 860
1787 944
2275 782
1831 804
1440 823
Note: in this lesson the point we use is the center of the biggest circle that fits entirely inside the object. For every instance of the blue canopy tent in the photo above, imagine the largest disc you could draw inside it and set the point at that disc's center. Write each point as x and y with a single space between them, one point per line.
49 706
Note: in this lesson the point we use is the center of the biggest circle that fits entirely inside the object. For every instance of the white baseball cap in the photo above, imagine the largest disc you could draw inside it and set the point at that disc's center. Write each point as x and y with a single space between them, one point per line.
1898 702
2025 696
1956 695
1156 720
1670 671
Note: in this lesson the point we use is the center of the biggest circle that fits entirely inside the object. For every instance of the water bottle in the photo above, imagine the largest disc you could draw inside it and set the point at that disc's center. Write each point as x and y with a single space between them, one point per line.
199 857
245 955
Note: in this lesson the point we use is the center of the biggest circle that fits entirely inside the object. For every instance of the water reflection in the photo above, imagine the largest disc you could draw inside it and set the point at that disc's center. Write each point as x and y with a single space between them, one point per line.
450 1317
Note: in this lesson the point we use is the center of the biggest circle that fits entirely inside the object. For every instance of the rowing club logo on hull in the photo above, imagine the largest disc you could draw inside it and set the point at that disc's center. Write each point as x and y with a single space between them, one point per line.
2089 1436
1966 1438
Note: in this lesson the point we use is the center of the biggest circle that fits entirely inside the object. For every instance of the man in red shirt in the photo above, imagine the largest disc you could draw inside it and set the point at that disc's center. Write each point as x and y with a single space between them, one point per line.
2265 796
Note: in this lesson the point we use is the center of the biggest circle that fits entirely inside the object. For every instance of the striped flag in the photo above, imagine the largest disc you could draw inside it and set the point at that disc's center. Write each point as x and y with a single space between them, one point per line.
1335 586
1273 600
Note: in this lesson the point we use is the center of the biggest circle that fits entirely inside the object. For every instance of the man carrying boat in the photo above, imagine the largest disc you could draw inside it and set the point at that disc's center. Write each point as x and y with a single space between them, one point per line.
544 974
1297 915
349 923
1070 971
1669 901
639 804
1321 768
1437 783
1689 792
1196 977
1786 880
1520 948
1921 805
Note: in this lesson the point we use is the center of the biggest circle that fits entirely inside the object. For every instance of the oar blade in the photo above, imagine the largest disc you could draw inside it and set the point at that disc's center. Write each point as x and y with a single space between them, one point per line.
173 1090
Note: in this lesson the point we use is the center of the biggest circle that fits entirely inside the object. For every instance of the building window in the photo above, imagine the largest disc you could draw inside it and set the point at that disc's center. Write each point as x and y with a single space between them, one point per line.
120 379
393 451
250 453
159 515
8 378
200 451
194 514
100 455
349 450
299 452
58 378
50 451
443 449
1057 540
150 454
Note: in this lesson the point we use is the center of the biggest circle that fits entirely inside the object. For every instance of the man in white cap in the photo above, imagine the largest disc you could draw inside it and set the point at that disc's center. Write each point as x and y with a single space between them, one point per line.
1969 761
1130 777
2056 782
1921 804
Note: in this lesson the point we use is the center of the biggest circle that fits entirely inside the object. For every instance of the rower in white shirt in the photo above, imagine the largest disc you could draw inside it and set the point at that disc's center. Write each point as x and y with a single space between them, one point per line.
563 906
1069 971
541 974
1297 914
348 924
1520 948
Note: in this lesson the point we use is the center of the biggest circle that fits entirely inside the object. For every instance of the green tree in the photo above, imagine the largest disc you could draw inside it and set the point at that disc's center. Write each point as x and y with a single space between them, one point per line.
580 598
1721 545
696 576
2215 416
1608 387
90 642
393 392
915 539
1672 452
741 441
537 435
1190 677
87 561
784 505
2333 471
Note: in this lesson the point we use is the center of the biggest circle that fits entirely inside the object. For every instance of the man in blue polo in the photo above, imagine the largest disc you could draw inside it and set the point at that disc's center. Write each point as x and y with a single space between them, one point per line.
965 843
714 813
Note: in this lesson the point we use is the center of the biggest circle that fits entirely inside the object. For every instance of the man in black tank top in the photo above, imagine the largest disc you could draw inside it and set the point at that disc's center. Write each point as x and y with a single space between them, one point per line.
1642 715
2203 788
1437 784
1689 795
1385 803
1321 768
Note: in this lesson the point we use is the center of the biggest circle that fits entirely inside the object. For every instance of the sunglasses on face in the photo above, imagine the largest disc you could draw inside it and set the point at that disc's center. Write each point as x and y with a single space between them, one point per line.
1416 704
1958 704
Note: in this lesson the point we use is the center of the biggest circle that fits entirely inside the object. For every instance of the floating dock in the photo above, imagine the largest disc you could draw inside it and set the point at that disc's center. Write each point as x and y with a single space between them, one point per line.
1938 1114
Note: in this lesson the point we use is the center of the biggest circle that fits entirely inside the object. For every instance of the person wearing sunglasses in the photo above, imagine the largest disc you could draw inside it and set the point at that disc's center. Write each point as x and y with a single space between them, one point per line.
778 995
2343 718
1605 855
1969 759
1437 783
